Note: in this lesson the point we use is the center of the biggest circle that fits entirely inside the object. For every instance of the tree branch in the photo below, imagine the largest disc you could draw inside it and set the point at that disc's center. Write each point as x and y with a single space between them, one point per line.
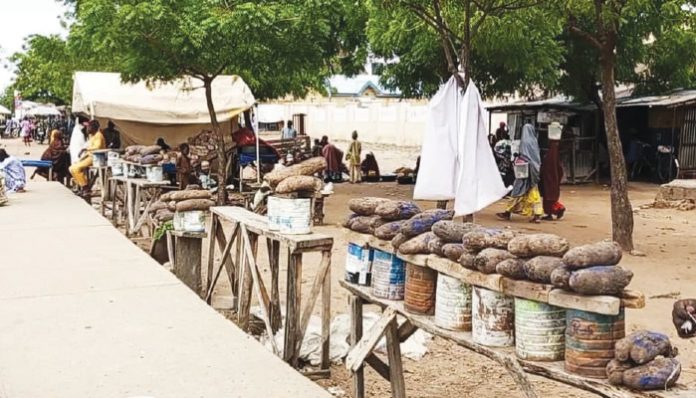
588 37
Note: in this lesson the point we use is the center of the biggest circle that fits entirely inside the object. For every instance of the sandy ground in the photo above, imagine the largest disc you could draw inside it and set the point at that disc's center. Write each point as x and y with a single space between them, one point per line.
664 274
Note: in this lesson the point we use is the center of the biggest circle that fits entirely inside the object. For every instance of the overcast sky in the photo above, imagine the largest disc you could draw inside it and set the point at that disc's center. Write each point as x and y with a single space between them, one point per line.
21 18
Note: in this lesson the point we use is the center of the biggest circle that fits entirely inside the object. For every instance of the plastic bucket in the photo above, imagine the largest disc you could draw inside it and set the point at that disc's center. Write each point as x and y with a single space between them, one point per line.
117 168
99 159
154 173
290 216
521 169
359 265
189 221
112 158
555 131
493 318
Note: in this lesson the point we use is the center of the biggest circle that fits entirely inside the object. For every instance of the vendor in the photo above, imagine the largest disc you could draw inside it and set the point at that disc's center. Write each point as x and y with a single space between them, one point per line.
369 166
206 179
184 168
11 167
58 154
334 161
165 147
95 141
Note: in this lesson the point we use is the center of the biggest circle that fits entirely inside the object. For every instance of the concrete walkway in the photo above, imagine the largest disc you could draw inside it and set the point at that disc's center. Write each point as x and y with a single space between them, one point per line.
85 313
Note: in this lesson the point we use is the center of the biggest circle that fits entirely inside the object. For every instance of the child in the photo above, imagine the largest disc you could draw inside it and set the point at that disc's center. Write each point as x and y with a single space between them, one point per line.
353 157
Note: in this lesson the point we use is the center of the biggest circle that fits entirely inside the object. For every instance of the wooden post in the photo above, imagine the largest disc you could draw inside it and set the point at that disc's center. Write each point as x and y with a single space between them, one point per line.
211 250
326 315
294 295
396 370
356 331
246 282
273 247
187 261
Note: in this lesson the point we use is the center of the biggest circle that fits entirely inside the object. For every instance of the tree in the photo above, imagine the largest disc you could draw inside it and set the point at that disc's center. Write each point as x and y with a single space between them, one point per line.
278 47
504 45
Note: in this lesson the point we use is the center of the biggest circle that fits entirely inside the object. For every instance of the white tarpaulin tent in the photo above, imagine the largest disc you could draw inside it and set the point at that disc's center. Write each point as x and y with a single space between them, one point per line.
4 111
43 110
456 158
174 111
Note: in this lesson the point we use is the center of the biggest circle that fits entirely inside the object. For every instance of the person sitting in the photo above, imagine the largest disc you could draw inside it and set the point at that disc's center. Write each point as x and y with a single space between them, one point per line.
184 168
11 167
334 164
370 168
94 142
112 136
206 179
316 148
58 154
165 147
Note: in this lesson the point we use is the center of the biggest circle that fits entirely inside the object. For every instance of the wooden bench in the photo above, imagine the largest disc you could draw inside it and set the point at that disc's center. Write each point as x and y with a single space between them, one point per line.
363 344
244 277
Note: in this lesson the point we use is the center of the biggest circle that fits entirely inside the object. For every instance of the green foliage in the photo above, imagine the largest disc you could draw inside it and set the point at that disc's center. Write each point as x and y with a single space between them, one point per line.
511 49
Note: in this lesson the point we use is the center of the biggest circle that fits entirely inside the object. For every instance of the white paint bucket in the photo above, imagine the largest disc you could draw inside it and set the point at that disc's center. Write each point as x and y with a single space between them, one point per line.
189 221
131 171
112 158
154 173
289 216
359 264
493 318
117 168
99 159
452 303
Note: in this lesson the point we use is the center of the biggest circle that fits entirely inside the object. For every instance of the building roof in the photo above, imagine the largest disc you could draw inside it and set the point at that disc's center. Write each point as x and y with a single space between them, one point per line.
673 99
560 102
340 85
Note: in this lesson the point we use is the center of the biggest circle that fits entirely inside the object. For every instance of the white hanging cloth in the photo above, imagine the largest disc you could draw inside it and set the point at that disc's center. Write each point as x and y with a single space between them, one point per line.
456 158
437 175
77 142
479 184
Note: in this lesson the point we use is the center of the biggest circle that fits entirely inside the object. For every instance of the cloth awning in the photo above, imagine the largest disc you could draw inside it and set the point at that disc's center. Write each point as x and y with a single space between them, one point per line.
175 110
43 110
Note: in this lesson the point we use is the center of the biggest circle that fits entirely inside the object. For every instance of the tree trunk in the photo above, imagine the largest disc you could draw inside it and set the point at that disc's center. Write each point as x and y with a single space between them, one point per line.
621 209
220 144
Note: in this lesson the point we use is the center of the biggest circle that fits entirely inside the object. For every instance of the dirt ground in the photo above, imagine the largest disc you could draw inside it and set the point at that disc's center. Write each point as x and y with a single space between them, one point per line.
666 273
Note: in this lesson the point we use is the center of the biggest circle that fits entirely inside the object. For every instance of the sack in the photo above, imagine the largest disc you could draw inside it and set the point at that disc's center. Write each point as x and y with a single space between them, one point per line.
299 184
388 231
349 221
512 268
526 246
363 224
423 222
151 159
485 238
365 206
601 280
164 215
467 260
307 168
418 244
660 374
452 231
184 195
600 253
487 260
539 268
149 150
397 210
453 251
158 205
194 204
398 240
560 277
643 346
435 246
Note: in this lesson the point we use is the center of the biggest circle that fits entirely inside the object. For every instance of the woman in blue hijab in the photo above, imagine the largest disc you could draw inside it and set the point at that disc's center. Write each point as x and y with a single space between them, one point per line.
526 200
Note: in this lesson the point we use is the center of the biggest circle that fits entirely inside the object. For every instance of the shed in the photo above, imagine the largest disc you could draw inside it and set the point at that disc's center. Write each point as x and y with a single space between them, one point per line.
175 110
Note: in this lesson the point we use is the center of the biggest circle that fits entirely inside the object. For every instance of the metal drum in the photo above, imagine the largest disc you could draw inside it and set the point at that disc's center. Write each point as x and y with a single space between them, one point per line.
452 304
289 216
388 276
539 331
590 340
493 318
358 264
419 297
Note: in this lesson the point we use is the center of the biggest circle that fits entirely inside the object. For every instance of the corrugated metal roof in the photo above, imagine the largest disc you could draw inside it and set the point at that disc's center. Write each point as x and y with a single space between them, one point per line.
676 98
557 102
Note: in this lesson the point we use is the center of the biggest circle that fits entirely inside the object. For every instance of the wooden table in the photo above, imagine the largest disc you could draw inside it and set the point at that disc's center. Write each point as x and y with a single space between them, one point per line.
244 275
103 178
136 205
185 250
362 345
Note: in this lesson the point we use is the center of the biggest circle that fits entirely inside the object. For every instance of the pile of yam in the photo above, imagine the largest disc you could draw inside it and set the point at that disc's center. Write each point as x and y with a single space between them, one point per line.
143 154
181 201
383 218
309 167
644 361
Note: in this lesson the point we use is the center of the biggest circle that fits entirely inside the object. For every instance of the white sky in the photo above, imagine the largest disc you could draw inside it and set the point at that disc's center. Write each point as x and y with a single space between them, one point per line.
21 18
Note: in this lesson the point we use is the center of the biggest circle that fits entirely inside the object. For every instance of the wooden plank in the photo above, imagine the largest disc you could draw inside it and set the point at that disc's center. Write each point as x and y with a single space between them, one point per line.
492 282
356 331
379 366
420 260
273 247
306 312
527 290
223 243
396 370
246 283
406 330
292 303
607 305
187 263
357 354
326 316
187 234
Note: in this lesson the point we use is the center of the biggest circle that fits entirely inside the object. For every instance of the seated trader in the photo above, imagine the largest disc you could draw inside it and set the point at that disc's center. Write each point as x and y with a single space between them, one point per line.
95 141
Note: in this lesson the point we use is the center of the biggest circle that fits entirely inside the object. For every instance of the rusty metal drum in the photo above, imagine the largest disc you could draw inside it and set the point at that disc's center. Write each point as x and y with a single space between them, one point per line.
590 340
539 331
419 297
493 318
452 304
388 276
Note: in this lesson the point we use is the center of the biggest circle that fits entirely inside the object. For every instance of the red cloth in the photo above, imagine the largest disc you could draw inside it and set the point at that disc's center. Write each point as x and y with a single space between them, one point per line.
551 176
334 158
246 137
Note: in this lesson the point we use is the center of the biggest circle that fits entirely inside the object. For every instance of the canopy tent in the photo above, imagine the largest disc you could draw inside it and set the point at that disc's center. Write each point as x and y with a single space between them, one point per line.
43 110
4 111
175 110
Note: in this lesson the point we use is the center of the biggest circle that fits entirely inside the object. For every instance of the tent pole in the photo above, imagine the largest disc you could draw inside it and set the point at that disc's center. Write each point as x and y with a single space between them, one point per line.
255 128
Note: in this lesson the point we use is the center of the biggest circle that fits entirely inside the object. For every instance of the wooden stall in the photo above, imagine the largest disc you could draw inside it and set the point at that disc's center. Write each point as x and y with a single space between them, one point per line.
242 270
363 343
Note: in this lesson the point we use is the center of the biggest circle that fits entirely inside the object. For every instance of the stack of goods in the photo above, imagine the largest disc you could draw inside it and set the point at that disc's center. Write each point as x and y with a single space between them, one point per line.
590 341
381 217
192 199
644 361
203 146
388 276
298 178
144 155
